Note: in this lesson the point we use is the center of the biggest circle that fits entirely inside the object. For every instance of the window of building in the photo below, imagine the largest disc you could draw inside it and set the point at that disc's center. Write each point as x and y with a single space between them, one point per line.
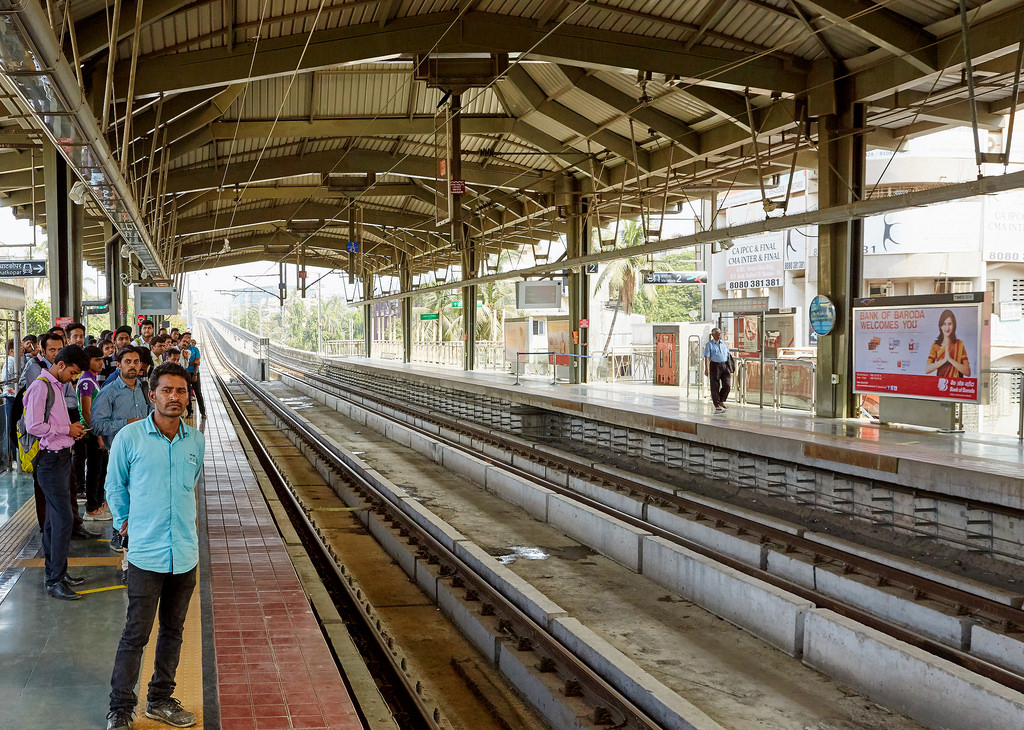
953 286
1017 293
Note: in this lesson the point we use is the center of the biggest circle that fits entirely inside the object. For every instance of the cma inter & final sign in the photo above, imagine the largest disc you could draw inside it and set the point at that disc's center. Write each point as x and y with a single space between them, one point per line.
22 269
675 277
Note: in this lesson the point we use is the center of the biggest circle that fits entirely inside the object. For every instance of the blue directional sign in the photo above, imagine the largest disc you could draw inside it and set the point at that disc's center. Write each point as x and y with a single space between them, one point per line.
352 246
675 277
22 269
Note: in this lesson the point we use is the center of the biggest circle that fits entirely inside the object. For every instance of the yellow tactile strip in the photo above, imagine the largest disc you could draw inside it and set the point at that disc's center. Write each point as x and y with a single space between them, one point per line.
189 677
14 532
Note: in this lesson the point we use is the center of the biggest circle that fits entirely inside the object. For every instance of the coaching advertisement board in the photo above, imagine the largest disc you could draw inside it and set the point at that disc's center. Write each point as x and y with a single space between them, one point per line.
921 347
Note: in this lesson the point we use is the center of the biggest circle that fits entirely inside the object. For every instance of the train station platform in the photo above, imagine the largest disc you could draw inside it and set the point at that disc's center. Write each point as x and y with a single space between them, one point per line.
253 657
984 467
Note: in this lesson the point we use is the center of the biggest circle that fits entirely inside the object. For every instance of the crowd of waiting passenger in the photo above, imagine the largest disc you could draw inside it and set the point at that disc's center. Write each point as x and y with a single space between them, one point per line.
117 435
109 389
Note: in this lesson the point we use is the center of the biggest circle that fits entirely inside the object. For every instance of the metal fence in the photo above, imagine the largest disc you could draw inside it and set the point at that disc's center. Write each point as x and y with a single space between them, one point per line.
1004 412
10 327
345 348
786 383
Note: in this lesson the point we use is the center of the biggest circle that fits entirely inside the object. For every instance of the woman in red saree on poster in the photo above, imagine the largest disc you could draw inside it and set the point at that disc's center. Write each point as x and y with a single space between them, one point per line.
947 357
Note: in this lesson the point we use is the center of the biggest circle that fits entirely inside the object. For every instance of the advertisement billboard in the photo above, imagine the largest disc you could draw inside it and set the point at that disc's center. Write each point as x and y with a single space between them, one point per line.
921 347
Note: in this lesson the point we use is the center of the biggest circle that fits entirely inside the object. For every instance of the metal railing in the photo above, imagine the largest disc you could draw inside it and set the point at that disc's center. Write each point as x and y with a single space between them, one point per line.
345 348
553 362
788 383
386 349
1003 393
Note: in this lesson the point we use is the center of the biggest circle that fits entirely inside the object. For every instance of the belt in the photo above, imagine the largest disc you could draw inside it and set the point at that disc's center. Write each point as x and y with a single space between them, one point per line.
56 451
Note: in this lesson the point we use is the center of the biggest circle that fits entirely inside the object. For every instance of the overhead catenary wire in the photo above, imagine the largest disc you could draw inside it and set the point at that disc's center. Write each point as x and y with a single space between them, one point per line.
668 173
724 68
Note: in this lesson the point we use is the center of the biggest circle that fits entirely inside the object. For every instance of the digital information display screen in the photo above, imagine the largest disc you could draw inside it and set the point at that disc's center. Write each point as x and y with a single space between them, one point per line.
156 300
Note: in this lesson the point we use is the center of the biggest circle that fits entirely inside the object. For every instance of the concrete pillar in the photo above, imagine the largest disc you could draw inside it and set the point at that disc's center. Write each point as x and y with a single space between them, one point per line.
578 244
841 163
64 225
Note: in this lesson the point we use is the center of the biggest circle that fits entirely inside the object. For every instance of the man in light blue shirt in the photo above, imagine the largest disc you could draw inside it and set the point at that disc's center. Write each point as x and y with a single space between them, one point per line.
716 367
151 490
123 401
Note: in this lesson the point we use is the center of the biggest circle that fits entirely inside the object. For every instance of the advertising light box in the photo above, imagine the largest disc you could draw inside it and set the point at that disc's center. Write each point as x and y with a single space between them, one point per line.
921 347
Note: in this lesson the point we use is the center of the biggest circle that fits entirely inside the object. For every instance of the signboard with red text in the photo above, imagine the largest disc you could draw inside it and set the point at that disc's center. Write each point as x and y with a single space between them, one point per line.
922 347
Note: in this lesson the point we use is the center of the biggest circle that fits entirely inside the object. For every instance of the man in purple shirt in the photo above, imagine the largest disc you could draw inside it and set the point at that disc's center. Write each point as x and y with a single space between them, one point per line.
91 461
57 434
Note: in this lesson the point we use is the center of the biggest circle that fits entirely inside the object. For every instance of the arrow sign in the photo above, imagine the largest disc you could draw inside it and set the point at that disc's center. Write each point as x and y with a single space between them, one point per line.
22 269
675 277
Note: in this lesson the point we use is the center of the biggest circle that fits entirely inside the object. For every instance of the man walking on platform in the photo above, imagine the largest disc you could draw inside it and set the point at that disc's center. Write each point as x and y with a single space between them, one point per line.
158 504
716 367
47 418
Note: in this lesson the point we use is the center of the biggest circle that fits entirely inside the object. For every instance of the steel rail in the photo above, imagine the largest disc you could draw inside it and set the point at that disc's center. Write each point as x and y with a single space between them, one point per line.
960 601
609 706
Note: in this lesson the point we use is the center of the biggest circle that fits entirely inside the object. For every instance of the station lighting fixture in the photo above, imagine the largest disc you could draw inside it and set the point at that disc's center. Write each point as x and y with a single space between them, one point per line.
32 63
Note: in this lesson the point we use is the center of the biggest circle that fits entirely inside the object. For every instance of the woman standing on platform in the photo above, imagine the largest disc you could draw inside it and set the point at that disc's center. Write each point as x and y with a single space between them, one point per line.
947 357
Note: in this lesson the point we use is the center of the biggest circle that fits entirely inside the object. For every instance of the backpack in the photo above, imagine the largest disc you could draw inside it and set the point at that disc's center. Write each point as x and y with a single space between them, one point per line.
28 445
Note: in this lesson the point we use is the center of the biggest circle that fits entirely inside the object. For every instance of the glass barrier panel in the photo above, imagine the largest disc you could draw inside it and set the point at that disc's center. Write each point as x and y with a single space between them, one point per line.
796 384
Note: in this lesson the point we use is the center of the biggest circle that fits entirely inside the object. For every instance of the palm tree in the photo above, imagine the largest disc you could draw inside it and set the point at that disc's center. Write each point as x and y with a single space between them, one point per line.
624 275
497 298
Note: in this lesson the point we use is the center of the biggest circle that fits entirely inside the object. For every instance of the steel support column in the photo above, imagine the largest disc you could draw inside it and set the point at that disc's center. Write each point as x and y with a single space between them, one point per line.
841 163
64 223
405 285
578 244
368 322
460 240
116 291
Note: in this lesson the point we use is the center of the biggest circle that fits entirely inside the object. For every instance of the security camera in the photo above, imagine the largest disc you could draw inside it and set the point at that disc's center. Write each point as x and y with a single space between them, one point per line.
227 246
126 250
144 274
726 244
78 192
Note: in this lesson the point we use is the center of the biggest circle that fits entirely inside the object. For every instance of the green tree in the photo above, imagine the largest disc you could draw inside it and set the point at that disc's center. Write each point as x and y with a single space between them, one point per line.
673 303
497 298
37 317
624 279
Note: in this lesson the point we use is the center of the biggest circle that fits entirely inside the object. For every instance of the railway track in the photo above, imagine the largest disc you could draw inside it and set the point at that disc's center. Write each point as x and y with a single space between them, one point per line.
570 680
949 611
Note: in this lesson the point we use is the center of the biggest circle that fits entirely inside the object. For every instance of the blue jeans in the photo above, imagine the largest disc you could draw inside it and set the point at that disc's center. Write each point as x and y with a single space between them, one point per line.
53 473
148 594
